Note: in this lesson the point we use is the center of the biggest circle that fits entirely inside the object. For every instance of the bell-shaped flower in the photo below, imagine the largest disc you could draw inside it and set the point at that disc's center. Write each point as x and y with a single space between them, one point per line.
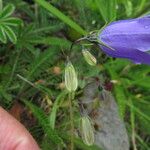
129 38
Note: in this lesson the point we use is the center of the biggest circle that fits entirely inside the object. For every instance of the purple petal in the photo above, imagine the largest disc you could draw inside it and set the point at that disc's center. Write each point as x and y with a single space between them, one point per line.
129 53
132 34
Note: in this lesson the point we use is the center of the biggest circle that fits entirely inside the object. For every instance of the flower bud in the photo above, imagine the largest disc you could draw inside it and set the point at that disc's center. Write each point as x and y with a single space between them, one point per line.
89 58
71 81
87 130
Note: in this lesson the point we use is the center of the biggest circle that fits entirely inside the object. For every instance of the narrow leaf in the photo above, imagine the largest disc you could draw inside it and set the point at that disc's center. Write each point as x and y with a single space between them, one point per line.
52 116
107 9
43 121
10 33
12 21
7 11
3 38
61 16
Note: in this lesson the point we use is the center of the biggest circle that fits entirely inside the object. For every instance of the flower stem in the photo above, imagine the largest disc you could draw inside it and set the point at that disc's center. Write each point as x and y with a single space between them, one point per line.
71 121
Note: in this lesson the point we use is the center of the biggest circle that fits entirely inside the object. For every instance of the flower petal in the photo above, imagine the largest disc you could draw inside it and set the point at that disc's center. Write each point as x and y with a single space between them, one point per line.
132 54
133 33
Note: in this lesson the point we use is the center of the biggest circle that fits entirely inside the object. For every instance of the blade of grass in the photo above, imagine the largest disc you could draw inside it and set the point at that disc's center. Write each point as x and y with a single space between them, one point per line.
43 121
107 9
52 41
132 120
61 16
1 5
141 5
138 111
119 91
52 115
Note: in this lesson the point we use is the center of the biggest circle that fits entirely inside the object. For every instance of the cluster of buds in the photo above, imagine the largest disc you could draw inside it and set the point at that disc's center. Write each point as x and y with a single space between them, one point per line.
71 84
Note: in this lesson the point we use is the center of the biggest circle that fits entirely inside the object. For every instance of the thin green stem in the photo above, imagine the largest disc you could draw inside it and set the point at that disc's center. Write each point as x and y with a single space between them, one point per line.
1 5
132 118
71 121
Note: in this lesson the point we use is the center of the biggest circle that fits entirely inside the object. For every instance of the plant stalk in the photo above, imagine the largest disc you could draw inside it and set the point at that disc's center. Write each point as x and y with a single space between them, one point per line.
71 122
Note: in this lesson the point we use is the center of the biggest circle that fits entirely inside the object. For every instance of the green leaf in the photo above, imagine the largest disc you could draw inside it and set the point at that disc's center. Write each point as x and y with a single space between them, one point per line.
141 4
118 89
129 8
5 95
144 107
1 5
10 33
137 110
52 41
12 21
79 143
3 38
7 11
107 9
52 116
43 121
121 98
61 16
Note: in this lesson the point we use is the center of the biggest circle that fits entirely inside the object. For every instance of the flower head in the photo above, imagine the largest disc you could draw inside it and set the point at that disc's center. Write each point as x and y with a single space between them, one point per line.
129 38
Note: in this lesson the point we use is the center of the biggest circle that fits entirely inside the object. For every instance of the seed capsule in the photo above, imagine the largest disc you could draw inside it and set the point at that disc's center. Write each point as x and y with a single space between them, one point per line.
71 81
87 130
89 58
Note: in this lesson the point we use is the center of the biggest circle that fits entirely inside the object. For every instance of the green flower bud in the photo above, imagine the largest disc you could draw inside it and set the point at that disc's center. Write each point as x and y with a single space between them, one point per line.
71 81
89 58
87 130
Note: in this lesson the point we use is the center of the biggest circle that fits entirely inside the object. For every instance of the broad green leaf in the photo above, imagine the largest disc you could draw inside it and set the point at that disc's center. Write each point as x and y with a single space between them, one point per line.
10 33
7 11
3 38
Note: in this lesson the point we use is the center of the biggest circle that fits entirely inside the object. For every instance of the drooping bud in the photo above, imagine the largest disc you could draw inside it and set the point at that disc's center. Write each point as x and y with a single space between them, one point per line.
89 58
87 130
71 81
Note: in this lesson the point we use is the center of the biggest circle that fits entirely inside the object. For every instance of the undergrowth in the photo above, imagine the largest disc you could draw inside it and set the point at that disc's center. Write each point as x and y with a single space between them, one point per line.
35 38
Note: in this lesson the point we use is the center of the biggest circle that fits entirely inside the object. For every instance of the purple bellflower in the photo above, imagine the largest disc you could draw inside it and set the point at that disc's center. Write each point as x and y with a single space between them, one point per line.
129 38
